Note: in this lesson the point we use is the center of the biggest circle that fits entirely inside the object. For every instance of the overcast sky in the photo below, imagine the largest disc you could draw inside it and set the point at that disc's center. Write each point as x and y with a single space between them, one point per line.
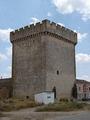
74 14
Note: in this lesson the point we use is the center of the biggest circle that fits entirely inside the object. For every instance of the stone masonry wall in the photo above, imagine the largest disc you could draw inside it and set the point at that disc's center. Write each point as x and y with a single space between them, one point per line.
44 26
28 67
60 66
40 52
5 88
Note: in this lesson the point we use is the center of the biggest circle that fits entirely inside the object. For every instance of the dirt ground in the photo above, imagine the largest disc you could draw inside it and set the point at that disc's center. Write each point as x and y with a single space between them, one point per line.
30 114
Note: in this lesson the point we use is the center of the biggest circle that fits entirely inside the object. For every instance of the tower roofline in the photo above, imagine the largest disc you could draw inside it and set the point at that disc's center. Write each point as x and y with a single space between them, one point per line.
44 26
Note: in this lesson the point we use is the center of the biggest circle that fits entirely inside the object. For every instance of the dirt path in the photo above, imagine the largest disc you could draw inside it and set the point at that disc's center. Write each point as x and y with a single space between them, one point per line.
29 114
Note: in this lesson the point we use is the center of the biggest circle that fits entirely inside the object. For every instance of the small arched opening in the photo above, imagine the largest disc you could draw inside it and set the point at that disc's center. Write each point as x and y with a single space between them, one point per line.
54 90
27 97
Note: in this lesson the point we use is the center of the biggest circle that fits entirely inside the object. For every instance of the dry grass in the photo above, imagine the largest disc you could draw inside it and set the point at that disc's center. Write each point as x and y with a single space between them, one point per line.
16 104
1 114
64 106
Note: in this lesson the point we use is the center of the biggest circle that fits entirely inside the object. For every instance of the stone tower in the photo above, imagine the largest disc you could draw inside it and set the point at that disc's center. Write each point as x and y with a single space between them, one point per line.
43 59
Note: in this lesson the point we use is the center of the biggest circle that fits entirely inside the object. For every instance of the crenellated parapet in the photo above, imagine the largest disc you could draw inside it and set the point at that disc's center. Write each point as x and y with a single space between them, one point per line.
44 27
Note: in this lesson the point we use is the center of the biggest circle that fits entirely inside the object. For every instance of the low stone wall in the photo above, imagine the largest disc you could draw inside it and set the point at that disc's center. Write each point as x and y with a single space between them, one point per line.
5 88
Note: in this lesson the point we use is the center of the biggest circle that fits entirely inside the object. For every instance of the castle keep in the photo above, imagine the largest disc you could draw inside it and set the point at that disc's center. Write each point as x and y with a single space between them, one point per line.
43 59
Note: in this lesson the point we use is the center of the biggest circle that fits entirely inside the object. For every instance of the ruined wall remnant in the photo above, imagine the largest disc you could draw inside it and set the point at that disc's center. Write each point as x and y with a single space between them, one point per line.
5 88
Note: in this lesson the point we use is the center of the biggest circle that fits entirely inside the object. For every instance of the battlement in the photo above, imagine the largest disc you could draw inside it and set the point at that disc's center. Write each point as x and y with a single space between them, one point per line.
44 27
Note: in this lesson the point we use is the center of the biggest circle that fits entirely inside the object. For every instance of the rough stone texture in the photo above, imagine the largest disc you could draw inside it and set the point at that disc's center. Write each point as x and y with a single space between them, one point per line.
5 88
43 58
28 67
60 57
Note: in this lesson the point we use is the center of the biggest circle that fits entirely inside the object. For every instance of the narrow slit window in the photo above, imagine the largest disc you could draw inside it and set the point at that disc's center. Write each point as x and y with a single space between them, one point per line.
57 72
